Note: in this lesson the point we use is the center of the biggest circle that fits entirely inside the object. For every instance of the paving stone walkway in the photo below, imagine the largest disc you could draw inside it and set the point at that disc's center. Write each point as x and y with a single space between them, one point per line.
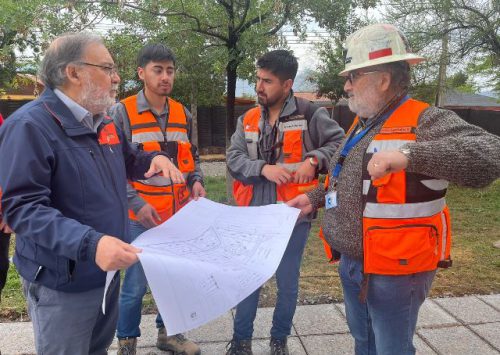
446 326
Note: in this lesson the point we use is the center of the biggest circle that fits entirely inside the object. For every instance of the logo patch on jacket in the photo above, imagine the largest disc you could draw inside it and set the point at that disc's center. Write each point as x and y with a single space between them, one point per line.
108 135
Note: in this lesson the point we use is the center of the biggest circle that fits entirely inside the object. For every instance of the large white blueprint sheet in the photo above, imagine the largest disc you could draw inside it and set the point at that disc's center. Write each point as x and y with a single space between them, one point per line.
209 256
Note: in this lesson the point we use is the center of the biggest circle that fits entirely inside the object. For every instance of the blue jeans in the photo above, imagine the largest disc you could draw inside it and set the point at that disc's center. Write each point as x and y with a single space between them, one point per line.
133 290
287 281
385 324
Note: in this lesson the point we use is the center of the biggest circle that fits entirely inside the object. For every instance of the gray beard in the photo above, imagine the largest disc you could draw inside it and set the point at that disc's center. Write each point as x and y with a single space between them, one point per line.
93 103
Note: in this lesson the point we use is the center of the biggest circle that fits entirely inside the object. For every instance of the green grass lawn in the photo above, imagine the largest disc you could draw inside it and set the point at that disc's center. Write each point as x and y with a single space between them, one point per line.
476 263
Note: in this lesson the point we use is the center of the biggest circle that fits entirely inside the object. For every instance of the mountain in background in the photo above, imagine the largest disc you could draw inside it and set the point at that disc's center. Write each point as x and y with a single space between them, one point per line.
490 94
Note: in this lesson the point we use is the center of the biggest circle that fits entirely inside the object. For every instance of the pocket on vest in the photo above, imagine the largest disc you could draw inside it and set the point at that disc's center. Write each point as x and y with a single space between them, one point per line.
400 250
185 159
292 146
164 205
242 193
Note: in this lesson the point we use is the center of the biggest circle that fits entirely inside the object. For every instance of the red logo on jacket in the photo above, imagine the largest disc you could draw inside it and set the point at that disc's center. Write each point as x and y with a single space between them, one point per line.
108 135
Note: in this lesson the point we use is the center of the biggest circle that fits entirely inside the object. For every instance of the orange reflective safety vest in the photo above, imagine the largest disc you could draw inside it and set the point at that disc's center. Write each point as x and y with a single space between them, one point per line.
406 223
293 138
159 191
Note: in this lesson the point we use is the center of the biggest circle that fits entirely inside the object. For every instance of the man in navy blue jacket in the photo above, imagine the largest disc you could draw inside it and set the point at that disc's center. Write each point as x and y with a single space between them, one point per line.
63 176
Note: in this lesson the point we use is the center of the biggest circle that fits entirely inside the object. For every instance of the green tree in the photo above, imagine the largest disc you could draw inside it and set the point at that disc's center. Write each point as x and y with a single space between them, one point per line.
27 26
197 81
326 77
244 29
339 18
452 33
460 82
486 67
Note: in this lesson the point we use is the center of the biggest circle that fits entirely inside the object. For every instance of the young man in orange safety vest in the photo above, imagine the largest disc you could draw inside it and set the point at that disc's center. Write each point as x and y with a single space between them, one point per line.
385 208
155 122
276 153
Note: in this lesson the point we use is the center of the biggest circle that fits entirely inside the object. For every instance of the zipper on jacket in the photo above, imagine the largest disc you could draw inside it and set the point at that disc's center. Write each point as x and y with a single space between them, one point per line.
71 269
113 182
405 226
38 271
92 154
434 229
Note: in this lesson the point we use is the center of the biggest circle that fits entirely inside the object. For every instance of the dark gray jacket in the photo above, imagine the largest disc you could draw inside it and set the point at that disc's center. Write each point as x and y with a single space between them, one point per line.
325 134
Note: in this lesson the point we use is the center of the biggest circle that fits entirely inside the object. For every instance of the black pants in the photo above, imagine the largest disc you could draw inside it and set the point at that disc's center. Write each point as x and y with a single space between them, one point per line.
4 258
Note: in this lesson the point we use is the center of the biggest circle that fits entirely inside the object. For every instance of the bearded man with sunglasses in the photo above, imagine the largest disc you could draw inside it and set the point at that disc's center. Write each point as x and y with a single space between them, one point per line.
63 174
385 210
276 152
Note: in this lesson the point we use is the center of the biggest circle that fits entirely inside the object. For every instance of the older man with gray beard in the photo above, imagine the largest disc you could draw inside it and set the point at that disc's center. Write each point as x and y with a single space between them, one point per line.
64 194
385 210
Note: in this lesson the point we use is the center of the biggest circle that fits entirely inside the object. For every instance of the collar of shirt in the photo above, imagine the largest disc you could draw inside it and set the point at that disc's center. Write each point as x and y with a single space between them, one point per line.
143 105
81 114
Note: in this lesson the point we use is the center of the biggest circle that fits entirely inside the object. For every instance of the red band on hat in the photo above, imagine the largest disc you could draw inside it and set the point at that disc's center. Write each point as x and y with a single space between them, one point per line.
380 53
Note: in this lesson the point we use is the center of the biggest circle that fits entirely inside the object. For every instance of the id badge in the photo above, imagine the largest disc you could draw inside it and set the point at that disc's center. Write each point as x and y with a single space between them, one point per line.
331 200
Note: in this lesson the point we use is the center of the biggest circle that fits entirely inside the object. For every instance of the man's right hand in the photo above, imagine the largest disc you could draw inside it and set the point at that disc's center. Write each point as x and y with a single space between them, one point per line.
277 174
148 216
303 203
114 254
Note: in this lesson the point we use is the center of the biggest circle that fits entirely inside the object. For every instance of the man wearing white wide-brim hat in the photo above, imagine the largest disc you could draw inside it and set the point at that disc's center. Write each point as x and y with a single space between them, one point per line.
385 216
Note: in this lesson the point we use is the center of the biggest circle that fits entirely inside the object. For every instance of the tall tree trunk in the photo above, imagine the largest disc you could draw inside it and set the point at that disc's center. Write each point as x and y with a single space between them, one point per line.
230 121
194 113
231 95
443 64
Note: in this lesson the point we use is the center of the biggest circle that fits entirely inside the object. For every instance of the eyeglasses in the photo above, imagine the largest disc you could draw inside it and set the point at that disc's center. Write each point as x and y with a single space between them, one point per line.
353 75
110 70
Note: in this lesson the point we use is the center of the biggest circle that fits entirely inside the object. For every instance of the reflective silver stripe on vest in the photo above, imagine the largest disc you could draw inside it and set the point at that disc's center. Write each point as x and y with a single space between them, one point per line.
366 186
293 125
147 137
290 166
157 180
388 144
405 210
176 136
160 180
436 185
252 139
444 236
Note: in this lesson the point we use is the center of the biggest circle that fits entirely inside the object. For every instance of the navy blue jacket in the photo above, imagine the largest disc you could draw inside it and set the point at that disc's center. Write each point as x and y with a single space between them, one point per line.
64 187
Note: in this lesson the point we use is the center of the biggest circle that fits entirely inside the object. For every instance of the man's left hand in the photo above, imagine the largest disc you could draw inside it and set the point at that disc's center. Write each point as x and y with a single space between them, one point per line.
386 162
197 190
161 163
305 173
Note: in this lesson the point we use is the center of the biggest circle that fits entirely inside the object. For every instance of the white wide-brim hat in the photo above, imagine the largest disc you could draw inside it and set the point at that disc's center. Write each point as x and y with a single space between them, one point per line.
377 44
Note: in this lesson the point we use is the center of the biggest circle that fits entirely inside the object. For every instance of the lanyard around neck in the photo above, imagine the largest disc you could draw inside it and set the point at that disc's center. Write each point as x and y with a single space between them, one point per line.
354 137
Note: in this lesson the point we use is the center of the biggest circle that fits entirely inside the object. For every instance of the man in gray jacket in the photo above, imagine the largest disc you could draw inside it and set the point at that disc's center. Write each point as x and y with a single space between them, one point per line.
276 153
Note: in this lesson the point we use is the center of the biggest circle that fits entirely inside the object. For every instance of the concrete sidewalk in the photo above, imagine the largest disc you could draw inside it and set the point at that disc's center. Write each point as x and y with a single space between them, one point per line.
460 325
